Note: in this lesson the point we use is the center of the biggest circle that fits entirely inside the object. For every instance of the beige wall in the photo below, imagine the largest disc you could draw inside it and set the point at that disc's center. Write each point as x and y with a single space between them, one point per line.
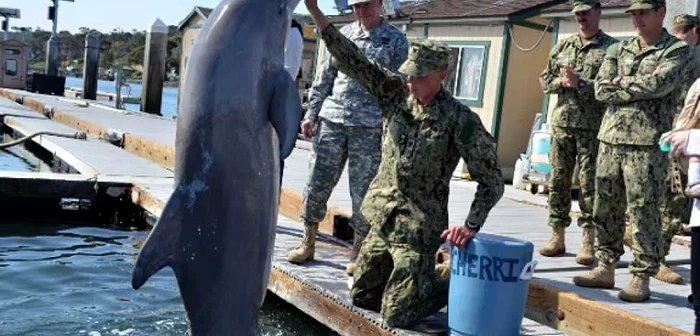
188 36
523 93
620 26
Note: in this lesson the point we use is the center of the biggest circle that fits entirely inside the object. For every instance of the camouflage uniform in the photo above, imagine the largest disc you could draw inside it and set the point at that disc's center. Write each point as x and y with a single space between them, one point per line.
575 123
630 168
675 206
406 204
348 124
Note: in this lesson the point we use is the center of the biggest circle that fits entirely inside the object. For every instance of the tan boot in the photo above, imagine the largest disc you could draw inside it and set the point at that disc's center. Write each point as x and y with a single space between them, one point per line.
356 245
305 251
556 245
603 276
637 290
585 256
667 275
627 238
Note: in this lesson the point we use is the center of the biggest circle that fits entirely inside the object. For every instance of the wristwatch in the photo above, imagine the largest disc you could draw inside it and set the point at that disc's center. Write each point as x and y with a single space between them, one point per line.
473 226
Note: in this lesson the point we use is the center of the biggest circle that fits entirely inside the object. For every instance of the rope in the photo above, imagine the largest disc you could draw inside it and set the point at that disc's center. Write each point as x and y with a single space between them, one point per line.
77 135
537 44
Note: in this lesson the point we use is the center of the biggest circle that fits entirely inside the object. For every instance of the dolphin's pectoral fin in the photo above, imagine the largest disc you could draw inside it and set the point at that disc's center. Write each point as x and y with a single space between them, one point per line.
159 249
285 111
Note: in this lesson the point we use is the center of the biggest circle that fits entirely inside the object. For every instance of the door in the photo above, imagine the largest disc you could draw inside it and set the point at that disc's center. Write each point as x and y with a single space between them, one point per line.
13 68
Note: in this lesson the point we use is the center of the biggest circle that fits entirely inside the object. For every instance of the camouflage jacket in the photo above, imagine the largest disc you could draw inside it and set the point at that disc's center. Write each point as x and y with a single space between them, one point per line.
692 72
340 99
576 108
421 147
641 105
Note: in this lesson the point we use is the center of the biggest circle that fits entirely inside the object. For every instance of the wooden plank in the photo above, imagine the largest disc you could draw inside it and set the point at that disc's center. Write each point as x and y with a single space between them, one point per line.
576 315
91 156
327 311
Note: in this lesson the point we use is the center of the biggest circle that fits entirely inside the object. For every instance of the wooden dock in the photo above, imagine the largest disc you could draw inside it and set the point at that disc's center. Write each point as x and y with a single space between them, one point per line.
144 160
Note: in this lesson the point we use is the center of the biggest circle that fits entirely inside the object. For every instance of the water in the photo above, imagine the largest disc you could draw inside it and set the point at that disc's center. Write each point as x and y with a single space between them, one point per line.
59 278
168 106
17 158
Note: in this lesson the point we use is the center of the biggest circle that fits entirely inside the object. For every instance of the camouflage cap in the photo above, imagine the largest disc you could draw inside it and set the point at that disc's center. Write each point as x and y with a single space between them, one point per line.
685 19
583 5
426 57
645 4
355 2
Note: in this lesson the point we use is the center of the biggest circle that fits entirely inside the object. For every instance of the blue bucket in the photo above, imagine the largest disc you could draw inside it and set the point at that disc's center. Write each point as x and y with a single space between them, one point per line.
488 286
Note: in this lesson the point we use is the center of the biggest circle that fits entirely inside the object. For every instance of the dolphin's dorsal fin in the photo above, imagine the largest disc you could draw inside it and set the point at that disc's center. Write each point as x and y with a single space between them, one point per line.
159 249
285 111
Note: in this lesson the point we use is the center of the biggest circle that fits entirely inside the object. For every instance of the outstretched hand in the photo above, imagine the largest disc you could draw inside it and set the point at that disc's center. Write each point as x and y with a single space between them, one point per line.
316 14
458 235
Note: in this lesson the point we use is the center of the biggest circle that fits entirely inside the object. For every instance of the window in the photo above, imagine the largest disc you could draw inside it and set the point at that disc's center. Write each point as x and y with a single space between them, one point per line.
467 72
11 67
12 51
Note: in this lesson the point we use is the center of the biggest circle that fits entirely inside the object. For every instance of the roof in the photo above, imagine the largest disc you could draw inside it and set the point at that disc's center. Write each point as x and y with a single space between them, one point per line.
606 4
459 9
203 12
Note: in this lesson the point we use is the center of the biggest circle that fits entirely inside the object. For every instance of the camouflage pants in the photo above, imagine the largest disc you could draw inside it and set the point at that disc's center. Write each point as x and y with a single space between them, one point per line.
398 280
675 207
568 144
334 144
631 175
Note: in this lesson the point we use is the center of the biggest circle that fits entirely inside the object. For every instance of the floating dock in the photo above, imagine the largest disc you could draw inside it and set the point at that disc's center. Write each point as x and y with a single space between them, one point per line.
131 154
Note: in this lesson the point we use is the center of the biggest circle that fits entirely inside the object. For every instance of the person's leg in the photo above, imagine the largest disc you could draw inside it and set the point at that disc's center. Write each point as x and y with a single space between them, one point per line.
413 292
374 266
587 150
672 208
325 167
364 156
562 158
644 170
695 272
608 215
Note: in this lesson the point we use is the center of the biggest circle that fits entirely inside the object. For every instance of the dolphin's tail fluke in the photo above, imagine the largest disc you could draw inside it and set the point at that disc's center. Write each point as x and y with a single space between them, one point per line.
159 249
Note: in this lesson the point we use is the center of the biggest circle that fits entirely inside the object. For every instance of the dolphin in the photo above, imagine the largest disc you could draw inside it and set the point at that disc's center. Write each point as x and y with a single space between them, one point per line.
239 114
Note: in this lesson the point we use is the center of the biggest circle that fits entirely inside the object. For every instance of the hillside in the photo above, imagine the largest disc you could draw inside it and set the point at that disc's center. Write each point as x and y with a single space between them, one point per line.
119 48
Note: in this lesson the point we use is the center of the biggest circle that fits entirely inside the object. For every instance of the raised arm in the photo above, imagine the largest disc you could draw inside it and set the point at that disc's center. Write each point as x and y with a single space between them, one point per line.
351 61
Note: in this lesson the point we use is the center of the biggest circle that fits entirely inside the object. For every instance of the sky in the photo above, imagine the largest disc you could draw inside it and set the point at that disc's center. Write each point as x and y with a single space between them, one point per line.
106 15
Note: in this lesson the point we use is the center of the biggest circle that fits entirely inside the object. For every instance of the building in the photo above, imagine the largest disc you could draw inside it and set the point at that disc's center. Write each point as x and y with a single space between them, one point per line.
499 50
193 22
14 61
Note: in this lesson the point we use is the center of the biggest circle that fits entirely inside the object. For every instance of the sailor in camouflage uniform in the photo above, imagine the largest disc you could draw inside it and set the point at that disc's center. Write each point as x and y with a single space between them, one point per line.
348 126
426 132
572 67
639 80
676 206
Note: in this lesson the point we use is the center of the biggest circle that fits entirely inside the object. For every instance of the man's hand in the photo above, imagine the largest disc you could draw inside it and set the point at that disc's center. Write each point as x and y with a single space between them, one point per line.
307 128
311 4
678 142
458 235
316 14
570 79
